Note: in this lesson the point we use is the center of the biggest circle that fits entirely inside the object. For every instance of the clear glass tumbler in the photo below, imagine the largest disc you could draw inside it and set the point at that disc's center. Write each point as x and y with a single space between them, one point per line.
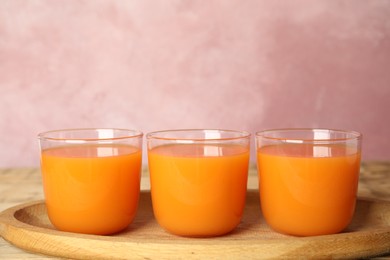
308 179
91 178
198 180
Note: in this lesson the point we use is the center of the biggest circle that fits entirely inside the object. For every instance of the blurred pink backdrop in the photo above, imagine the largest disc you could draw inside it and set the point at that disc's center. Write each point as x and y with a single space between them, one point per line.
153 65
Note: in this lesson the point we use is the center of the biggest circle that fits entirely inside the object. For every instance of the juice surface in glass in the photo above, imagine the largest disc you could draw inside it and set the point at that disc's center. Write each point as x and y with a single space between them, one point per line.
198 190
308 189
91 189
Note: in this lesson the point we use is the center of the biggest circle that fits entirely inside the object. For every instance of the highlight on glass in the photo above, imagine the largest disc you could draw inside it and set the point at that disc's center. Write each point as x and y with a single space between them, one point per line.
198 179
91 178
308 179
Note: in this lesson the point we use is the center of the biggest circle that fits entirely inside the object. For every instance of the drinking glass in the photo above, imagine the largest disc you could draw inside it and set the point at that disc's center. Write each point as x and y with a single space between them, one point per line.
198 179
91 178
308 179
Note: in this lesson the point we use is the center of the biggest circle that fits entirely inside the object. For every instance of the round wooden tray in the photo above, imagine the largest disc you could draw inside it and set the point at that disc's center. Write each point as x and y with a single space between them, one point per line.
28 227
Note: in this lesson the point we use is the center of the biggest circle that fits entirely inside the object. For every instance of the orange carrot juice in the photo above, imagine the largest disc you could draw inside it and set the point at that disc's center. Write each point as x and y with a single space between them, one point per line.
91 189
198 190
303 193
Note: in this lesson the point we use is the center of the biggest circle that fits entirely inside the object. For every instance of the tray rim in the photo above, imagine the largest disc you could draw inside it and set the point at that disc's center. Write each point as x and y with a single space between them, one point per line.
31 230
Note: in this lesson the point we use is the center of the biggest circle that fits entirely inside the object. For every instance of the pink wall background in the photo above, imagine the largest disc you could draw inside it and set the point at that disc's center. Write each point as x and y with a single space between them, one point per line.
155 65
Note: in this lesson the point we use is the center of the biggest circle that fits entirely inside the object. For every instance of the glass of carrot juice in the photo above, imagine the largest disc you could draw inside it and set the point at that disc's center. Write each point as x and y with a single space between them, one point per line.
91 178
308 179
198 180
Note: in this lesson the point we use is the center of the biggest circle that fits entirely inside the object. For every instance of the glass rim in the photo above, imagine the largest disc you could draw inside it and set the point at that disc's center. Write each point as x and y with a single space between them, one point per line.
155 135
45 135
352 135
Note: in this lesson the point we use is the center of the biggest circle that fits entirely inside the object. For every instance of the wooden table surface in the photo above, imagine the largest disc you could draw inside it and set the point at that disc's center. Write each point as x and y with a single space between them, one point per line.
22 185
